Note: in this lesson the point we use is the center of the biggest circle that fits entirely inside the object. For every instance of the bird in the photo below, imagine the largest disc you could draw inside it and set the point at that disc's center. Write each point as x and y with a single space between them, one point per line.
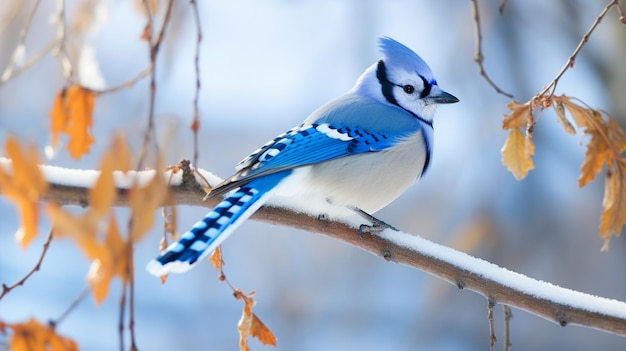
359 151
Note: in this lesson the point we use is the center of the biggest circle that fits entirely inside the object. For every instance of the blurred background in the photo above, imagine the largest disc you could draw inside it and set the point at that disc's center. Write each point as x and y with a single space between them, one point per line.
264 67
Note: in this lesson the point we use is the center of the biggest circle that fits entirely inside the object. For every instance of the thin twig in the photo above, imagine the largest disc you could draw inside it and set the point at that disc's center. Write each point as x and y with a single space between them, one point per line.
17 70
155 44
508 315
195 125
478 52
492 330
61 50
120 325
20 47
71 307
620 12
130 274
502 6
127 84
572 59
6 289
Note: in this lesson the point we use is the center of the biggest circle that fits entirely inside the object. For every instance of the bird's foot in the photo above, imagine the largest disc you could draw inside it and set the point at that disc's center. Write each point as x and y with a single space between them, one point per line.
377 225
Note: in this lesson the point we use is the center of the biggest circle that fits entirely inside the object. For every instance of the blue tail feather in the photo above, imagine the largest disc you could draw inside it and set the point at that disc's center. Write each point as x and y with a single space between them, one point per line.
218 224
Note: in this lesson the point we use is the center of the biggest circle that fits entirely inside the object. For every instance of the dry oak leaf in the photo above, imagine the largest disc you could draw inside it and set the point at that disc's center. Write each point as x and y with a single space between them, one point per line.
216 258
24 186
606 144
71 114
518 149
517 153
102 195
614 205
250 324
520 115
110 255
144 202
110 260
560 117
34 336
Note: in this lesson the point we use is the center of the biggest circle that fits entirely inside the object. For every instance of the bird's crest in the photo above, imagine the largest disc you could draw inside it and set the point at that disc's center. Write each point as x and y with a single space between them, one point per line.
398 55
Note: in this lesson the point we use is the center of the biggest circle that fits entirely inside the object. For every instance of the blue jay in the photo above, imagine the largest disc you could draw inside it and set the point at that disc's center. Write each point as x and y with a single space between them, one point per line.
359 151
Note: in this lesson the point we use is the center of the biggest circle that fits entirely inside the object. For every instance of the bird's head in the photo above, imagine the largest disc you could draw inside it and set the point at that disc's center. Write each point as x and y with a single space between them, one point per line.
403 79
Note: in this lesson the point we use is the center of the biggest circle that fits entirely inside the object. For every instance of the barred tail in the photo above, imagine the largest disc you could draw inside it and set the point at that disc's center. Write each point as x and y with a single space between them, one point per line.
215 227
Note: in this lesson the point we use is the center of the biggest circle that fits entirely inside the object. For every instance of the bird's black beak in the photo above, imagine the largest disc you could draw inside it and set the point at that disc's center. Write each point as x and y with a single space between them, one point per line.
443 97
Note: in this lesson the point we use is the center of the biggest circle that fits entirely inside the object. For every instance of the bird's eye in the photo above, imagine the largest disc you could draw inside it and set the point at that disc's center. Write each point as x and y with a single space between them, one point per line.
409 89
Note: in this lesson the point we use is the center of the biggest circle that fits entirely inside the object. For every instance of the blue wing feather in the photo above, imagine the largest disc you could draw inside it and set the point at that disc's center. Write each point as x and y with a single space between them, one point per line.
305 145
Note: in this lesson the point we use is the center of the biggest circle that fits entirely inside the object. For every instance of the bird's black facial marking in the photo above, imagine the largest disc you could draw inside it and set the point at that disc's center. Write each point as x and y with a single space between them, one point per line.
385 84
387 89
427 87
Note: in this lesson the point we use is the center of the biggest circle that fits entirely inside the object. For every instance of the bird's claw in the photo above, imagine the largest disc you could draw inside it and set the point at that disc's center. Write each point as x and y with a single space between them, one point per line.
376 227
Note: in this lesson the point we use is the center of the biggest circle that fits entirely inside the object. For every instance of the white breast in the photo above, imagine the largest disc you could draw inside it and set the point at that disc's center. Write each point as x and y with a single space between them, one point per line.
368 181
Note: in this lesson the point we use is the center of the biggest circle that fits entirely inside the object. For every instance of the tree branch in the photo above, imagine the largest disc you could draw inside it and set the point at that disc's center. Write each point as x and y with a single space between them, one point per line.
551 87
478 49
6 289
497 284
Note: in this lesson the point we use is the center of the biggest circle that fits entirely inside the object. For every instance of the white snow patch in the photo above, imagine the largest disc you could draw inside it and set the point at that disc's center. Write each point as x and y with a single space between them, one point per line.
87 178
525 284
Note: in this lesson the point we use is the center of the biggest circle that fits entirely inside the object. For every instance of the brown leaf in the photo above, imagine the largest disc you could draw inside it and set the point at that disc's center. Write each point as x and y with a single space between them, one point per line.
103 193
109 261
595 157
560 117
616 135
520 116
143 203
71 114
581 115
34 336
516 154
81 228
24 186
260 331
250 324
216 258
614 203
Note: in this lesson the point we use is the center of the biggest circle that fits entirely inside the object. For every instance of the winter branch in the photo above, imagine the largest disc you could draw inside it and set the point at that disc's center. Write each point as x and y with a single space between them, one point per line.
498 285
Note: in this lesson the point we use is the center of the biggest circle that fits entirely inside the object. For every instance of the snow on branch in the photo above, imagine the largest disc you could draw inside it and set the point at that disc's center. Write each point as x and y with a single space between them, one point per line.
497 284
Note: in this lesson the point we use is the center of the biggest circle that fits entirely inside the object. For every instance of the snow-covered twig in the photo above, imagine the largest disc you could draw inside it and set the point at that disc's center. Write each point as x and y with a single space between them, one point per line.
554 303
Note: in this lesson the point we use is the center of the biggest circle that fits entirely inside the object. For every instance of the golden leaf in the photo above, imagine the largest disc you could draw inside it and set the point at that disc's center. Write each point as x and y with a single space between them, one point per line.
110 256
581 115
595 157
81 228
560 117
616 135
33 336
216 258
260 331
24 186
250 324
122 155
71 113
614 203
58 117
109 261
516 154
103 193
143 203
520 116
